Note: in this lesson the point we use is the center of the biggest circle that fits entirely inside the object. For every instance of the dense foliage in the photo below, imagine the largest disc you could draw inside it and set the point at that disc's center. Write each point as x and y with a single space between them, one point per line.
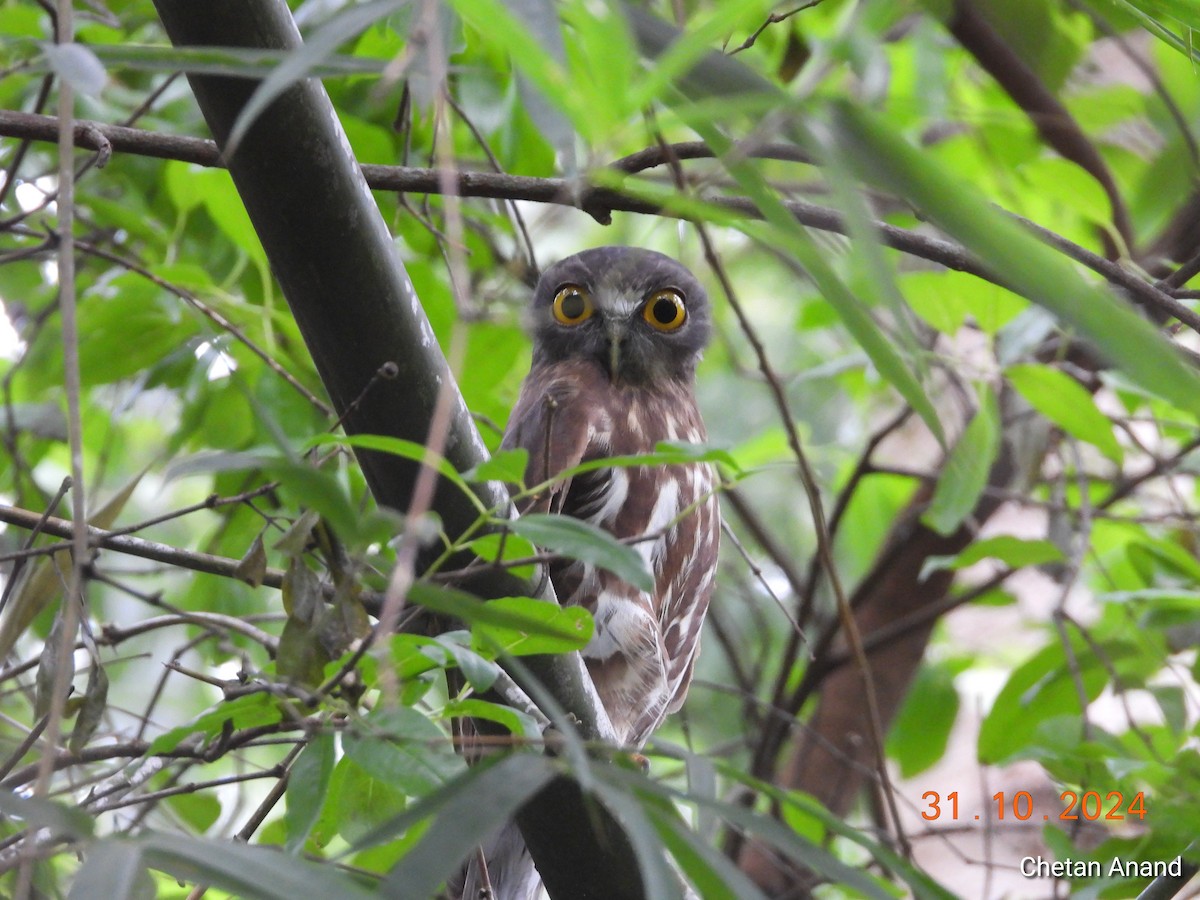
952 398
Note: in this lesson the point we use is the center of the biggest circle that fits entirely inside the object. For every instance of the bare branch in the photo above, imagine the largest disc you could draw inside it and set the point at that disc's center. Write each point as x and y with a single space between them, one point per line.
601 201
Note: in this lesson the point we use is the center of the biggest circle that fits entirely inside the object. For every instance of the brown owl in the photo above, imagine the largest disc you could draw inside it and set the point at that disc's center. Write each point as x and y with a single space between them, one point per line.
617 334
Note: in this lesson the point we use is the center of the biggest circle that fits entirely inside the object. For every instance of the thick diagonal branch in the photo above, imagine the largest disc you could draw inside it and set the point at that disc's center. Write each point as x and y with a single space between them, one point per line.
357 310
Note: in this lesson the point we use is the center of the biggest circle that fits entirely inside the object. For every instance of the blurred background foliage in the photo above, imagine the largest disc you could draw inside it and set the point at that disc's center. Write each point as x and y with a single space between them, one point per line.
1009 403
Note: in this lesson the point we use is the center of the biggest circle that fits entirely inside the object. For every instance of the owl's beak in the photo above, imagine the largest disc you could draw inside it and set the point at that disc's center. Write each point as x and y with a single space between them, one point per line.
615 330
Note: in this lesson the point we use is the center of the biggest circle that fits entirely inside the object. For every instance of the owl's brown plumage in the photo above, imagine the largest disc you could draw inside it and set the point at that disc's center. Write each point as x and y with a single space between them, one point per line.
617 335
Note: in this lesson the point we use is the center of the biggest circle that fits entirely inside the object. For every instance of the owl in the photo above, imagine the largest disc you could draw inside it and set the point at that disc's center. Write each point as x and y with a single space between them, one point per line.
617 334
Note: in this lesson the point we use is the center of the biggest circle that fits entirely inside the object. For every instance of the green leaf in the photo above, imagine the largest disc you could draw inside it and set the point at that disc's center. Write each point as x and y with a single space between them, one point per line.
1183 12
358 803
1149 554
704 866
659 881
504 465
307 787
34 812
215 191
217 461
112 868
947 299
1014 552
523 626
412 655
106 354
867 257
1066 403
481 673
462 821
1041 689
515 721
200 811
781 230
259 872
400 447
504 547
921 731
247 711
587 543
1031 268
965 472
665 453
300 62
510 621
228 62
402 748
323 491
767 828
496 25
540 20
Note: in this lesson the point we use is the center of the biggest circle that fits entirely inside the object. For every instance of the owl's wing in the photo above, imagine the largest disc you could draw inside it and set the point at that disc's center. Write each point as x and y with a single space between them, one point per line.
552 424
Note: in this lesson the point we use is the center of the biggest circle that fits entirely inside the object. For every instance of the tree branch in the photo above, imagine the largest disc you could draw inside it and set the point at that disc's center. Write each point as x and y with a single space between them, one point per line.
1053 121
357 310
601 201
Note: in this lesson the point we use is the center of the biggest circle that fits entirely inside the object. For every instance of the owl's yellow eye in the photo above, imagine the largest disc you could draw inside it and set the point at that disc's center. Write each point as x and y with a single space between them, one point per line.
665 310
572 305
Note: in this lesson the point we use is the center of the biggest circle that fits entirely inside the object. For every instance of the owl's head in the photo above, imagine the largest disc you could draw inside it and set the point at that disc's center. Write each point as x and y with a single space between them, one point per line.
641 315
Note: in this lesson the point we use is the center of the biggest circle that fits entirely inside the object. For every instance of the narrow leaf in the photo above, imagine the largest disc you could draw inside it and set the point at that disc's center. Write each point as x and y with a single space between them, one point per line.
301 62
519 723
1032 269
782 231
658 879
228 62
504 465
1014 552
524 616
400 447
467 811
587 543
247 711
112 868
404 749
918 737
965 473
65 821
1042 688
707 868
1066 403
775 833
307 787
480 673
259 872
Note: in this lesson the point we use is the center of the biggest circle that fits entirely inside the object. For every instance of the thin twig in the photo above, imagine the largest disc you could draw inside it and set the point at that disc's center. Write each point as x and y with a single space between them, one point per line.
68 622
772 19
